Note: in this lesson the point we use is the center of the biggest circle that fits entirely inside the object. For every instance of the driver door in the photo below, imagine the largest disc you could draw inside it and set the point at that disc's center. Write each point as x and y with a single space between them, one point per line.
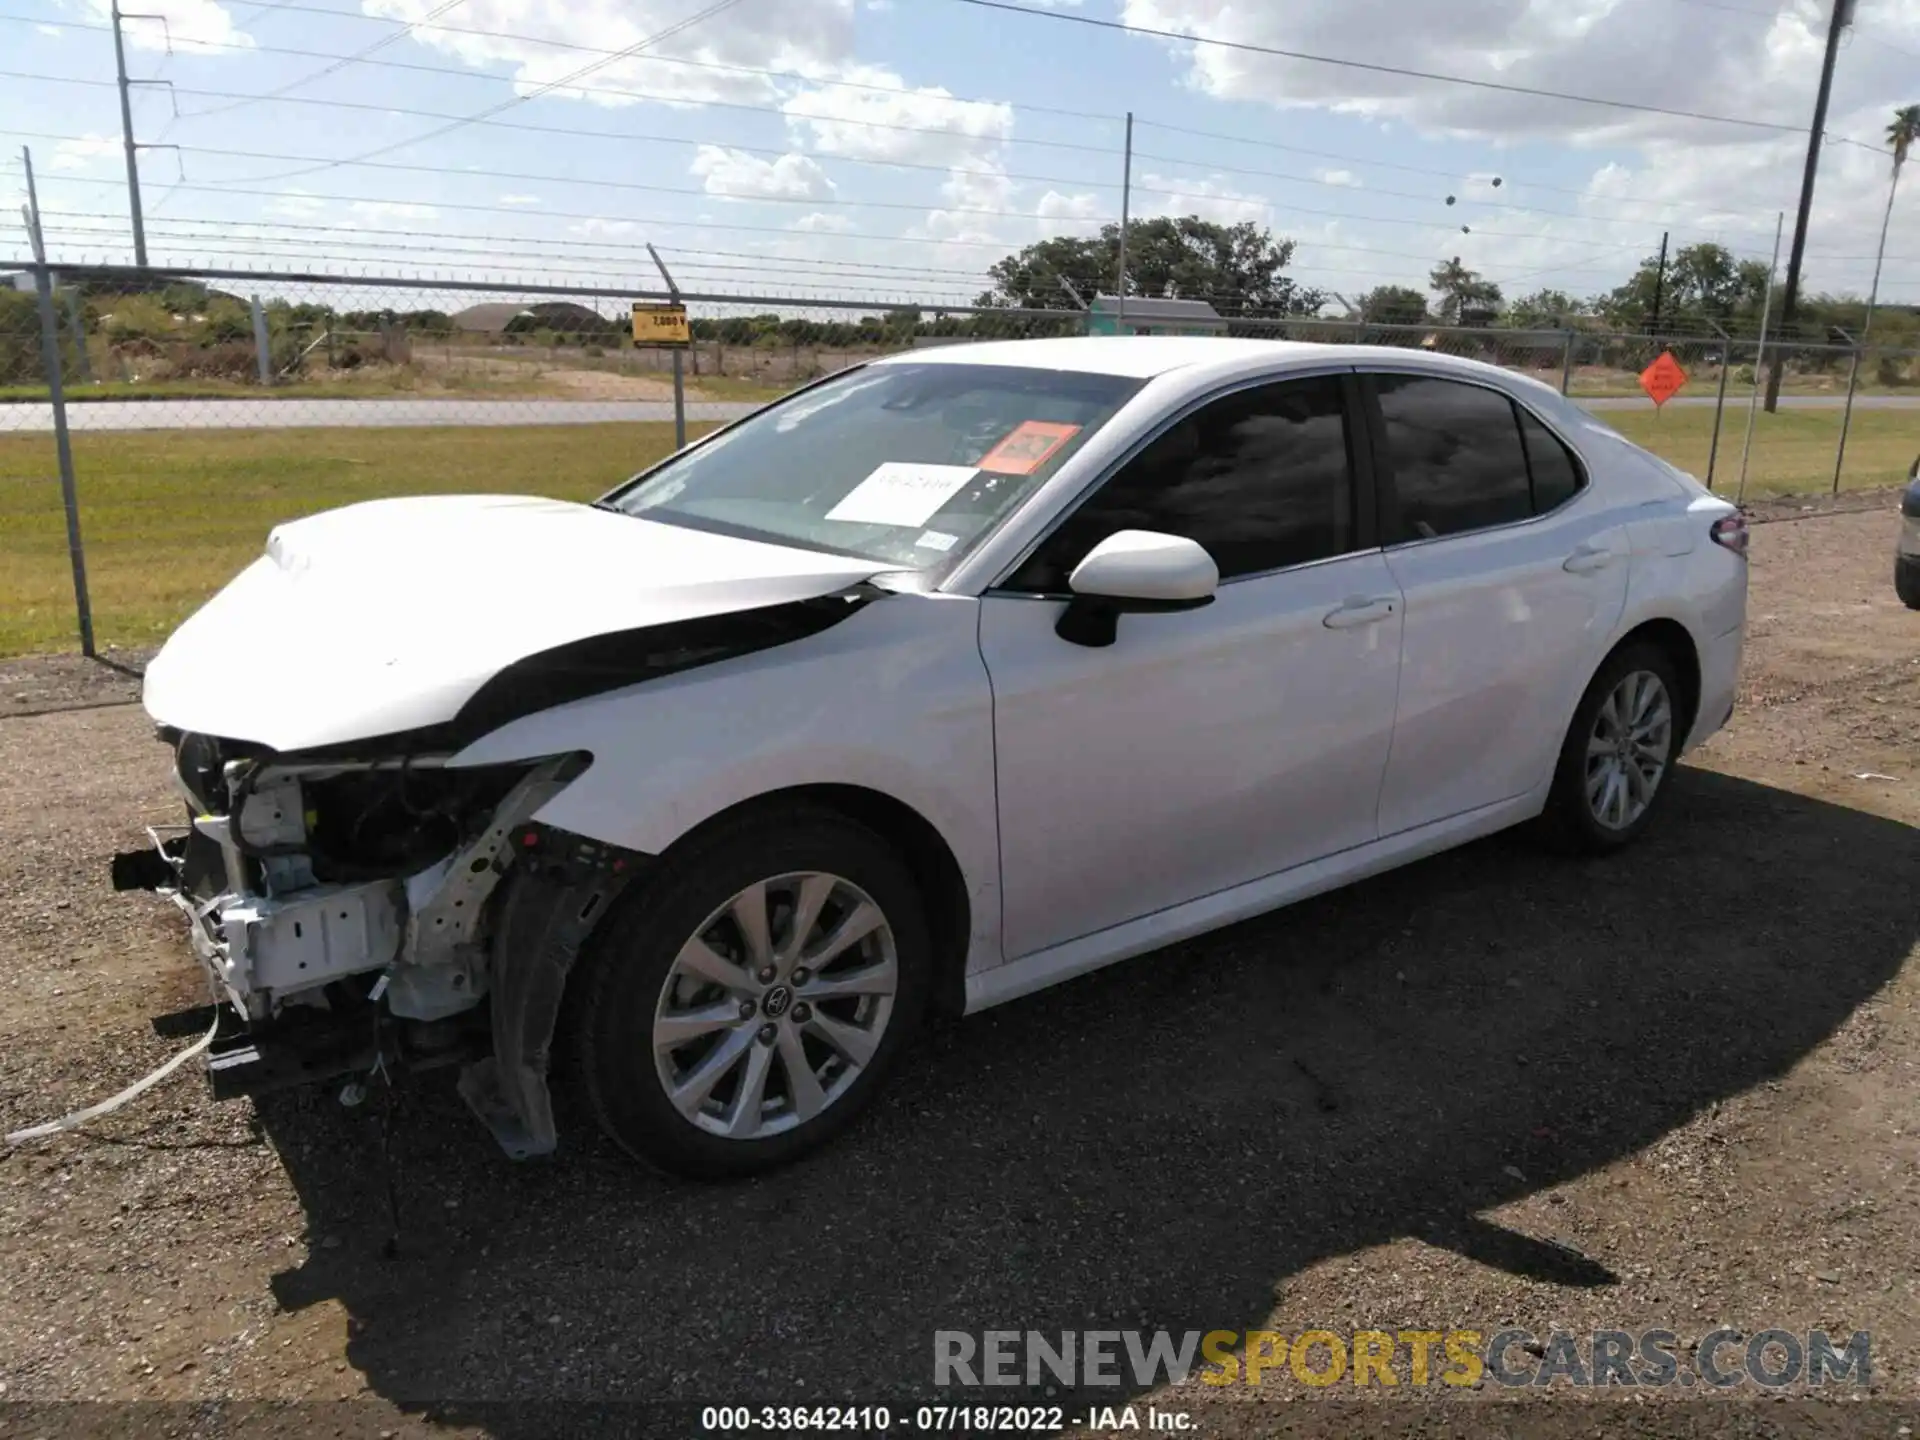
1212 747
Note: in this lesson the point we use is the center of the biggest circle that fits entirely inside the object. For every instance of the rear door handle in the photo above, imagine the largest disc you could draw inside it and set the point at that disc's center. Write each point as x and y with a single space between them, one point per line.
1364 610
1588 558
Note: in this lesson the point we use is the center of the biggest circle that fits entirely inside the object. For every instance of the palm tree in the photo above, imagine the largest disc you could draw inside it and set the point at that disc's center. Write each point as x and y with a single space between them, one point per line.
1902 131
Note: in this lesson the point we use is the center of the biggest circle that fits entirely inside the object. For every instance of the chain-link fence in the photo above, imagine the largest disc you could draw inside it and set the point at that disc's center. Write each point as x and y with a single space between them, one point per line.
201 407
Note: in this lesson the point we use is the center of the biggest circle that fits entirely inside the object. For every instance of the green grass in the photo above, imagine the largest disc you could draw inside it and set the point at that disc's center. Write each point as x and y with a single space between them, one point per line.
1793 450
730 387
168 517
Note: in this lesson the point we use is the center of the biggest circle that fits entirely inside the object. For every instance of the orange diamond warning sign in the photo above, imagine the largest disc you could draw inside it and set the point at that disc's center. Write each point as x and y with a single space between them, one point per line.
1663 379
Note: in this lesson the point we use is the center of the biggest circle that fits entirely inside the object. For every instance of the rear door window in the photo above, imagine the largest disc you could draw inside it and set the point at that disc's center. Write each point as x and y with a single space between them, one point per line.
1455 454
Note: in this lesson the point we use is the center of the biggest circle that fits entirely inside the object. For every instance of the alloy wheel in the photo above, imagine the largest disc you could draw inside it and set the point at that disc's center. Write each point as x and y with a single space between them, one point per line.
1629 749
775 1006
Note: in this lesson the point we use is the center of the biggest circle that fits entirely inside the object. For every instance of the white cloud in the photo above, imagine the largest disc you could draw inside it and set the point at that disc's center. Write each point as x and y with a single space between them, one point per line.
596 227
806 36
1055 207
392 210
198 25
1339 177
1210 199
81 153
297 204
1644 51
738 175
820 223
1698 180
925 125
520 200
52 32
977 208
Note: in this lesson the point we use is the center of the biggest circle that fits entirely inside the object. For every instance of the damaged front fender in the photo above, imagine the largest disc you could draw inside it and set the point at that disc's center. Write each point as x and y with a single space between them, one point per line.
560 888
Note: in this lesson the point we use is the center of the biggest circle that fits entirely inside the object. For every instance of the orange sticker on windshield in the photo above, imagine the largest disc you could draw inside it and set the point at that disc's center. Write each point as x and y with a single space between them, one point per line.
1031 444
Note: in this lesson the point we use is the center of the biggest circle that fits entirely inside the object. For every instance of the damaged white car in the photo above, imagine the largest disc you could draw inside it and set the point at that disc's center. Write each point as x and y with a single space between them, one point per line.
939 682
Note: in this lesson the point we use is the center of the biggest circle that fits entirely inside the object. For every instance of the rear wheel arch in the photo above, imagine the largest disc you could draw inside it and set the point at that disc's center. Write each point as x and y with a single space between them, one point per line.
1676 642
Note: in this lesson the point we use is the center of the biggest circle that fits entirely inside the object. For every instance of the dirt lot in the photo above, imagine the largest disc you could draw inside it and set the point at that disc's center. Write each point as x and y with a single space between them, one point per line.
1674 1089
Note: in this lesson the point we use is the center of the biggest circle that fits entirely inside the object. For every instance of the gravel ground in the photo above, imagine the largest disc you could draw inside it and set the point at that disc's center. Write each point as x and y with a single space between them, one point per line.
1674 1089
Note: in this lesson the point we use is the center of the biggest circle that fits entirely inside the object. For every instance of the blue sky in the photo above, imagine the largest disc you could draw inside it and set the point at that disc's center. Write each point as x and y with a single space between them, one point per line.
899 147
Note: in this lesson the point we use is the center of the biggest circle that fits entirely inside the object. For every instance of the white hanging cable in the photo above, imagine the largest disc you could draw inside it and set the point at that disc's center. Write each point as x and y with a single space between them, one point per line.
114 1102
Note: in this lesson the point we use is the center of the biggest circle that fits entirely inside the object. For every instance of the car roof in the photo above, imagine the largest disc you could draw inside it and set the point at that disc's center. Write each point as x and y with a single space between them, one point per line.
1137 356
1143 357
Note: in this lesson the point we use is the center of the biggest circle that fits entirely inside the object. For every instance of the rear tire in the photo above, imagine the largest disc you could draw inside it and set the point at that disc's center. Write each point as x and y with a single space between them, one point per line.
1618 756
711 1040
1906 581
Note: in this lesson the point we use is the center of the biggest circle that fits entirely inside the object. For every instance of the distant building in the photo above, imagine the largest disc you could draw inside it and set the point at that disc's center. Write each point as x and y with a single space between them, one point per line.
1146 316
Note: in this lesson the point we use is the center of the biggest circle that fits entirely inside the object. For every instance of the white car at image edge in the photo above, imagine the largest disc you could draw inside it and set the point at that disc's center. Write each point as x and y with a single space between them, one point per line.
941 681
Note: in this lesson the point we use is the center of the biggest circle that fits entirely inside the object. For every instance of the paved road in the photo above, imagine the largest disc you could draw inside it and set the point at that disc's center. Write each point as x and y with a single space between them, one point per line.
292 414
334 414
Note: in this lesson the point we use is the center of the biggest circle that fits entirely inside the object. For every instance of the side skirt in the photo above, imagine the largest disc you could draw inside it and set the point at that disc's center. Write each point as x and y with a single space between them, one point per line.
1049 967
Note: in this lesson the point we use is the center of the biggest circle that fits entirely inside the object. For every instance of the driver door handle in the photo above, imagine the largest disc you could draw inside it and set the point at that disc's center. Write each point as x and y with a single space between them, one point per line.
1587 558
1362 610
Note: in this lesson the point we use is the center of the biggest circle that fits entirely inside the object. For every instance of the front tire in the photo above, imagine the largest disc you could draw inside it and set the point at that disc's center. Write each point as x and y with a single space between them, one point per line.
1618 756
747 1003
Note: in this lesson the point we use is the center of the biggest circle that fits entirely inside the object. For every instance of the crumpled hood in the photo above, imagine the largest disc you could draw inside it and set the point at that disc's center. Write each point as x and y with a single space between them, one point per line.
390 615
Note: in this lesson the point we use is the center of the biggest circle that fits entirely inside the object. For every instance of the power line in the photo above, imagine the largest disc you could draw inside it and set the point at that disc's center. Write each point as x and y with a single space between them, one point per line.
634 246
545 88
340 64
1375 190
588 216
1452 176
350 237
570 132
805 200
399 165
757 70
614 91
576 133
816 200
690 263
1185 37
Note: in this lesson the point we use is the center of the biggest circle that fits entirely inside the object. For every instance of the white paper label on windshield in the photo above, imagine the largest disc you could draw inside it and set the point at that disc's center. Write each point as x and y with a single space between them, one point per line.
935 540
898 493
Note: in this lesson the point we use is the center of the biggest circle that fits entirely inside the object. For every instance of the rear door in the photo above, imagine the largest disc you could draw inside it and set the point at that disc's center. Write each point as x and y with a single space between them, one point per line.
1514 573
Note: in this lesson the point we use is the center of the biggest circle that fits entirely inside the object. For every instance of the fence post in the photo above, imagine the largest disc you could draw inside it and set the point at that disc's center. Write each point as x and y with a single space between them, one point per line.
1566 362
1720 400
57 395
679 365
77 320
1846 415
262 351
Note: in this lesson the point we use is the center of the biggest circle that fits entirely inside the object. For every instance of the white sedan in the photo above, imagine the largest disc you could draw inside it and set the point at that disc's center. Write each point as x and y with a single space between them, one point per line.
944 680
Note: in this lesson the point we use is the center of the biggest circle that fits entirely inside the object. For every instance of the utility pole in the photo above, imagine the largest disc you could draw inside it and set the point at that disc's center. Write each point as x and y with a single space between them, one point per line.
56 393
126 140
1842 17
1659 284
1126 207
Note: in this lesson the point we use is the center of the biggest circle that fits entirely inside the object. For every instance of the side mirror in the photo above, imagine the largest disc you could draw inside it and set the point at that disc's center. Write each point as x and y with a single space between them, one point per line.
1134 572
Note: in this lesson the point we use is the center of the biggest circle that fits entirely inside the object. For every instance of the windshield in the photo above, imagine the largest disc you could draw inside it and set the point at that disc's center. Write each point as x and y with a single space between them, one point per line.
909 464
